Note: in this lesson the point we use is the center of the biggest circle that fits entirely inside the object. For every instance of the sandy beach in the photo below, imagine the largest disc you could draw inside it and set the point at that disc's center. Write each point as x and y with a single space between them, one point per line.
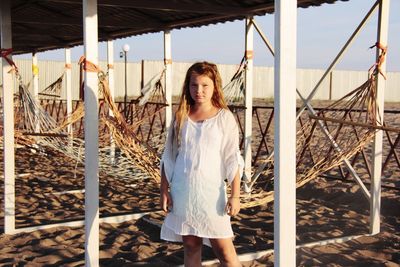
49 190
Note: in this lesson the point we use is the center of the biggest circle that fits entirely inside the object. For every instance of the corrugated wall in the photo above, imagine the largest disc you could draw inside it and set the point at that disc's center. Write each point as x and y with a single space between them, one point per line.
333 87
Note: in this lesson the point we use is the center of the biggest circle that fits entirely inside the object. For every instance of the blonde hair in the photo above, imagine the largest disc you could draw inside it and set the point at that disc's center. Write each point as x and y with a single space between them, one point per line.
186 101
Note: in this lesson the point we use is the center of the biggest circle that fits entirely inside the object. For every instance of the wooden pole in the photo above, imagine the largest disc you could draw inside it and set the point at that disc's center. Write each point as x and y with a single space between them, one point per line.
375 203
8 120
111 84
168 78
90 33
285 133
35 83
248 103
68 87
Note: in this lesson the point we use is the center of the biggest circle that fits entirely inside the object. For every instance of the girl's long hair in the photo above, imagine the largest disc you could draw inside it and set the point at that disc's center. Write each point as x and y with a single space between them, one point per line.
186 101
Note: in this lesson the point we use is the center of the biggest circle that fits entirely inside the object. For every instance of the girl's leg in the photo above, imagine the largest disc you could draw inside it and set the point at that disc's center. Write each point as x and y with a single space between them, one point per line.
225 251
192 250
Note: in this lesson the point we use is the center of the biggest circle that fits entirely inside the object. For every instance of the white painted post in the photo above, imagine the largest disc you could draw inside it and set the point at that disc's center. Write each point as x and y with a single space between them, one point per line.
68 87
248 103
8 121
285 134
35 82
90 34
168 78
111 84
375 203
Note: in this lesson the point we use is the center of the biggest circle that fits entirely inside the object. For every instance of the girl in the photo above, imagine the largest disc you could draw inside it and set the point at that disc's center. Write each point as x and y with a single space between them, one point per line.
201 153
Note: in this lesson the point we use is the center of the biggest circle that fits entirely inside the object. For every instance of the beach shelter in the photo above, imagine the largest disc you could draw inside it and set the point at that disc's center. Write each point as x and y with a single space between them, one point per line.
34 26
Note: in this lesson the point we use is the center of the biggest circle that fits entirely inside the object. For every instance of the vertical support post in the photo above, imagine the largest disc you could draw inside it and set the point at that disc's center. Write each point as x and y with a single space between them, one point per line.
375 204
35 83
285 133
330 84
168 78
68 86
35 74
90 33
124 53
141 73
111 84
248 102
8 121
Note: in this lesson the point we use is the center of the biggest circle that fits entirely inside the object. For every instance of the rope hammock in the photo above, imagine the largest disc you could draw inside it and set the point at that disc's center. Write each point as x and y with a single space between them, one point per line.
234 90
324 141
147 107
328 138
44 129
54 89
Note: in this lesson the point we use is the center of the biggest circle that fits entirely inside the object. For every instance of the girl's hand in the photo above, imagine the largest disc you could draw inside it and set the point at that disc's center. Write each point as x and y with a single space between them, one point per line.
233 206
166 201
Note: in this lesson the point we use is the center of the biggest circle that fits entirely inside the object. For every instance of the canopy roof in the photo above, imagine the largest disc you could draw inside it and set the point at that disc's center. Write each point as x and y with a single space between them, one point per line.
39 25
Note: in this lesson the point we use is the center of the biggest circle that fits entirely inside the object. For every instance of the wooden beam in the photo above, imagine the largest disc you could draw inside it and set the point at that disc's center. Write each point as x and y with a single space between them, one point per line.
111 84
377 149
285 133
35 74
248 120
91 136
168 78
8 120
68 88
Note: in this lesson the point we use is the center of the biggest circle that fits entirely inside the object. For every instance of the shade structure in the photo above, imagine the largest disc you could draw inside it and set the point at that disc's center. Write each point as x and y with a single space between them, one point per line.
50 24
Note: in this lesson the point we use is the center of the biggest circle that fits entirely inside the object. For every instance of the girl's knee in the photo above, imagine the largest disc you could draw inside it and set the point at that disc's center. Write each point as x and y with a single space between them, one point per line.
226 253
192 243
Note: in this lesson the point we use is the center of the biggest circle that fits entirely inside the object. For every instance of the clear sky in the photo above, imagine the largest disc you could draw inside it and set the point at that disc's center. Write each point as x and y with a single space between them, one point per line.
321 33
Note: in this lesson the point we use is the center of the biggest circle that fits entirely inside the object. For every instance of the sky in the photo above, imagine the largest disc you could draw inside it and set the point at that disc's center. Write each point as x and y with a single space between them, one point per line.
321 33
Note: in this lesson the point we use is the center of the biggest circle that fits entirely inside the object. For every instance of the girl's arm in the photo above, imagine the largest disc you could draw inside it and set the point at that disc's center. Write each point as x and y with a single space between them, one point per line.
165 197
235 186
233 204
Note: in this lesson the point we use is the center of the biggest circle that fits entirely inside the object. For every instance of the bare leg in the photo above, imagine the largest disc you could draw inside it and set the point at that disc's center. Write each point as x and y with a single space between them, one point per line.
192 250
225 251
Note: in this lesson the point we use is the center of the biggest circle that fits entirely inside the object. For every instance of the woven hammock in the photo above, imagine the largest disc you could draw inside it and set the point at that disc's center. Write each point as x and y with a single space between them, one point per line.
44 130
54 89
328 137
234 90
335 133
325 140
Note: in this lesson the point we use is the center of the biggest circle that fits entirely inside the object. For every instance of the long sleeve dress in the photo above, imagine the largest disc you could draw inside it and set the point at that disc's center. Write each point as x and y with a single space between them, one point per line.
197 172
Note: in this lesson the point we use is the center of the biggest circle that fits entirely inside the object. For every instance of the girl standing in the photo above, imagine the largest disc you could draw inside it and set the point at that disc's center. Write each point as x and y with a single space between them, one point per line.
201 154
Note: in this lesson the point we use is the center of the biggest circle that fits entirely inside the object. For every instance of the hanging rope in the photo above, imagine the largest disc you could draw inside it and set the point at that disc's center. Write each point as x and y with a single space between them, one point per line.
377 67
4 53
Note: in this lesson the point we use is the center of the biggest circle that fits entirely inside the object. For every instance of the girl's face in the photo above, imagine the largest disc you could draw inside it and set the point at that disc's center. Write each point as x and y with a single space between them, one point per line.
201 88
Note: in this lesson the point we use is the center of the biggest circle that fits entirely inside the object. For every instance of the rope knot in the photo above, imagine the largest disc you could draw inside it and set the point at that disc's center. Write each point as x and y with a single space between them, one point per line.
377 67
4 53
87 65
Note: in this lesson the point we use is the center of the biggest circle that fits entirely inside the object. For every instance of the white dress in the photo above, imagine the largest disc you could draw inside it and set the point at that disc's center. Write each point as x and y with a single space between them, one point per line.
197 173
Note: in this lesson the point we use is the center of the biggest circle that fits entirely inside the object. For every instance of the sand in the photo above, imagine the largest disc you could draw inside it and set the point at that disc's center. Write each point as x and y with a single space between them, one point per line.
326 208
